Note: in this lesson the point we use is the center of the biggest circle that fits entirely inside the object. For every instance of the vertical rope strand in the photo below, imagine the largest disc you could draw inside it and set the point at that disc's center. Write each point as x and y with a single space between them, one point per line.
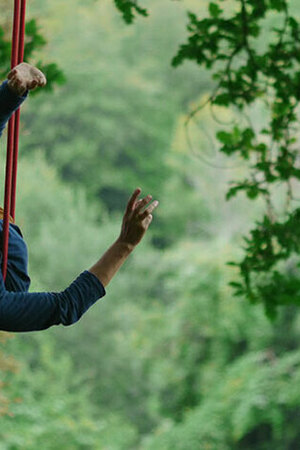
17 115
10 139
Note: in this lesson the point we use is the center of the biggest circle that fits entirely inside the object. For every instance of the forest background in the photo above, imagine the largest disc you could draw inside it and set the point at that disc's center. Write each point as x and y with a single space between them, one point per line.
170 358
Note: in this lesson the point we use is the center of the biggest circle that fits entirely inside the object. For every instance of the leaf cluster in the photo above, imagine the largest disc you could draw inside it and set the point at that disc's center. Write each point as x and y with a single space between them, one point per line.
249 68
34 42
128 8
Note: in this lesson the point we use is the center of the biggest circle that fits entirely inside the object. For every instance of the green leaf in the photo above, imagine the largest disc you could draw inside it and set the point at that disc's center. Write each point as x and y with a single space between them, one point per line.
222 99
224 137
215 10
127 8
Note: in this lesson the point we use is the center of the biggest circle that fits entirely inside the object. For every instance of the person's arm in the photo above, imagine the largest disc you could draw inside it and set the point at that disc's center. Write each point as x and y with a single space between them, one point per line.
135 224
23 311
111 261
14 90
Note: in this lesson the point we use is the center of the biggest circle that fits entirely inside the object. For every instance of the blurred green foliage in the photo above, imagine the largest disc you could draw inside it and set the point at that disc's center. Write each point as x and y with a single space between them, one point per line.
170 358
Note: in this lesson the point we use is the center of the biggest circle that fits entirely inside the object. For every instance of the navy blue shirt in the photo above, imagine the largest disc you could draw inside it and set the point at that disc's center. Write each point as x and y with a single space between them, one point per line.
19 309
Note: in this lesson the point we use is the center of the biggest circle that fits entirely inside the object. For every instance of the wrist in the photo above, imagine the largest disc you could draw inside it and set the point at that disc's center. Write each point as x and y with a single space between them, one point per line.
125 247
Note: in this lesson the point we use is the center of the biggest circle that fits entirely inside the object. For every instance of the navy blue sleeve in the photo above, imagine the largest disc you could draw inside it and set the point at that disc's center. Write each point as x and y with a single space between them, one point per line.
25 311
9 103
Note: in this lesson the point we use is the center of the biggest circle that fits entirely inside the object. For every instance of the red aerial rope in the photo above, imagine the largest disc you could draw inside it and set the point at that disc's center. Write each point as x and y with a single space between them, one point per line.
17 56
17 115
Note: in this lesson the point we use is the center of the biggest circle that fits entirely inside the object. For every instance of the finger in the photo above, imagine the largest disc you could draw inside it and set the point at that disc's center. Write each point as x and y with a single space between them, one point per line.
16 84
143 203
33 84
136 203
147 221
132 200
15 79
11 74
41 80
12 80
149 210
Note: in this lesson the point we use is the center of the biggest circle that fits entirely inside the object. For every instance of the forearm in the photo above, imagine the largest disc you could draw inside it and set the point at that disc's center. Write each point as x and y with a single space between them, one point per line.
111 261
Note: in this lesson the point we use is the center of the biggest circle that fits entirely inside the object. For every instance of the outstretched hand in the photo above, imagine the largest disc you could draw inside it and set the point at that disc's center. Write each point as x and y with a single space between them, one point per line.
25 77
136 221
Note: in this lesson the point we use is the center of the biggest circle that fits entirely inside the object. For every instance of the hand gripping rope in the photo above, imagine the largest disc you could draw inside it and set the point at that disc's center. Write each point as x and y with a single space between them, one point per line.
17 56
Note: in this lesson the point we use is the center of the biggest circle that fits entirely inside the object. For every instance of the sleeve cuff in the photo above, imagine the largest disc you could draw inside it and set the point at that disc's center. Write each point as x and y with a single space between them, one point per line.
14 100
12 95
96 282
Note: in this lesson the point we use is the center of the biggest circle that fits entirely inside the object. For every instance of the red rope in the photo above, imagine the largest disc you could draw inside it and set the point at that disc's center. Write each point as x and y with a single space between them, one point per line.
17 115
17 56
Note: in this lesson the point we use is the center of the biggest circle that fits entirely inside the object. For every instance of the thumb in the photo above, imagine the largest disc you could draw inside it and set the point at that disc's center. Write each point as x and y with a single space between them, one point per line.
148 220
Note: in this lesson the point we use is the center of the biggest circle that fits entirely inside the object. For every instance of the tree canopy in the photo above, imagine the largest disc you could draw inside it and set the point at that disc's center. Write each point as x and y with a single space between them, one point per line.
170 359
